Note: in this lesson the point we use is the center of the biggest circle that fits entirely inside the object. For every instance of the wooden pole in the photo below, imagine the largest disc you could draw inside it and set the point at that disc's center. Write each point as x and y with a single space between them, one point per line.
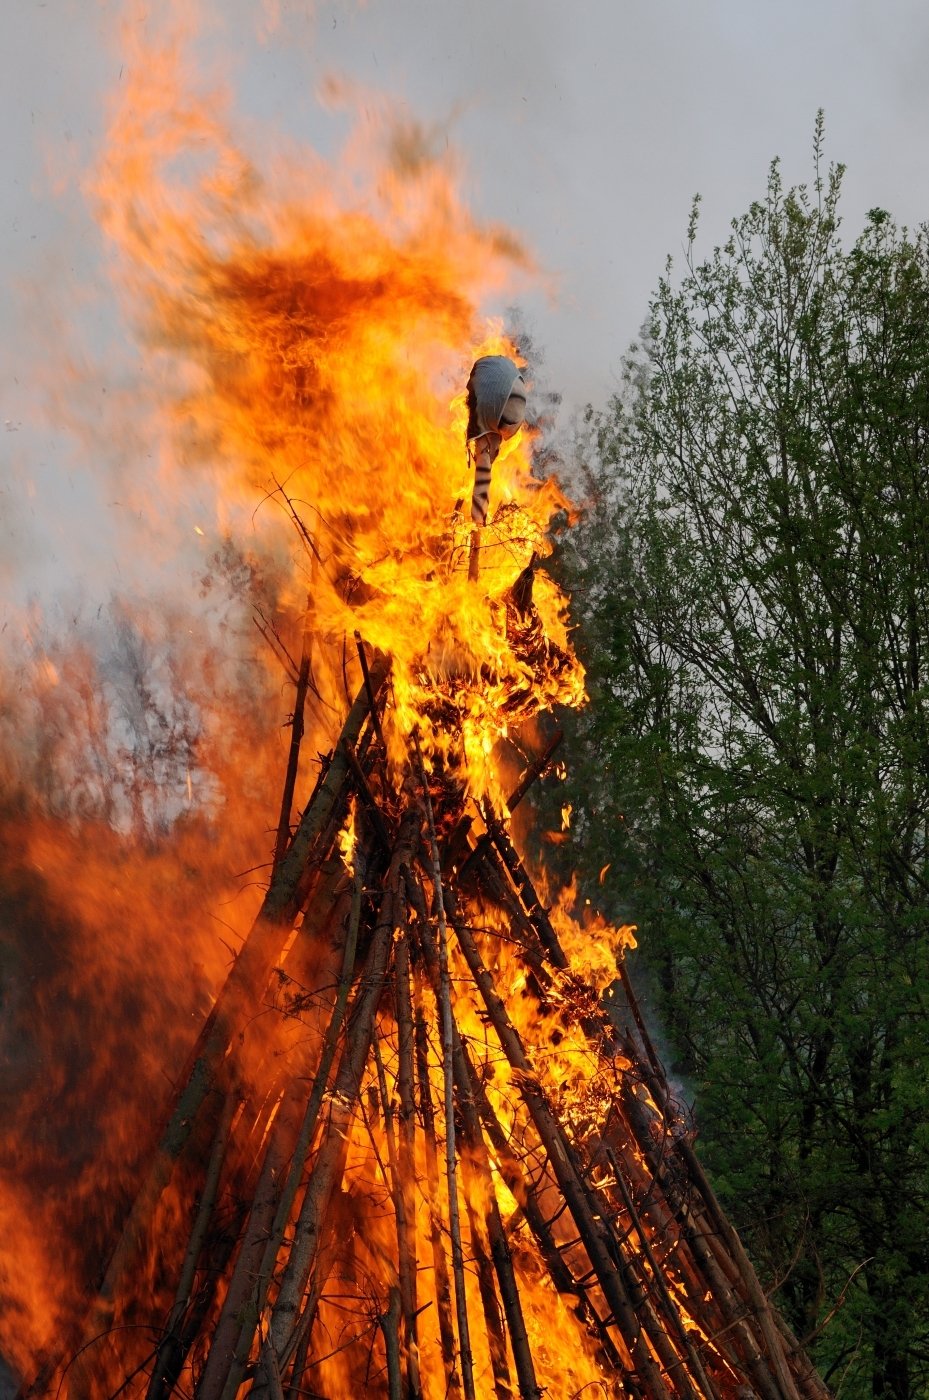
443 1286
448 1079
407 1158
402 1200
389 1323
535 770
296 739
671 1309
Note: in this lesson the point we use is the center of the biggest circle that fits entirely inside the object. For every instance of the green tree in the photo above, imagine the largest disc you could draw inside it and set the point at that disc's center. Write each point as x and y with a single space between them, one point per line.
752 580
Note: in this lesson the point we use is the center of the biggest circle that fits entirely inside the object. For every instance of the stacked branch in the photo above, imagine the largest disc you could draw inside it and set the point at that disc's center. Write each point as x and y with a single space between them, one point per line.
464 1178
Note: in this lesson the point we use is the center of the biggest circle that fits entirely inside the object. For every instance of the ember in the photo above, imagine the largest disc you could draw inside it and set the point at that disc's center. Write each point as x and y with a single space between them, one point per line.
410 1153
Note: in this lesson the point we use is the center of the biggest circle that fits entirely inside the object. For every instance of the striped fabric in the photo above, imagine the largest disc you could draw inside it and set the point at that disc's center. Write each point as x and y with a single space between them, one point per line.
496 410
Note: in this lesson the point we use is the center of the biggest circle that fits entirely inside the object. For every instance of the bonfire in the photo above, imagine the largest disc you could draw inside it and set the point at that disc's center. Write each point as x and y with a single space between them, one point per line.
411 1153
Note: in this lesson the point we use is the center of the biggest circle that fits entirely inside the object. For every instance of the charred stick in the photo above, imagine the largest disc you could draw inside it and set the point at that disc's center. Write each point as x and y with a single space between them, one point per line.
646 1174
222 1355
277 1187
295 1389
395 1181
522 1190
443 1287
279 899
484 1268
728 1342
482 1187
474 556
535 770
372 692
524 1193
473 1094
296 739
743 1354
595 1022
657 1067
726 1285
537 914
270 1373
499 1251
807 1378
322 1069
299 1345
445 1018
498 887
249 1288
756 1294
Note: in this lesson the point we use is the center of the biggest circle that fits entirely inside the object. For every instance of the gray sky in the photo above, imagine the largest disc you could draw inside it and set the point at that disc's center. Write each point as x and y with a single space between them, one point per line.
586 127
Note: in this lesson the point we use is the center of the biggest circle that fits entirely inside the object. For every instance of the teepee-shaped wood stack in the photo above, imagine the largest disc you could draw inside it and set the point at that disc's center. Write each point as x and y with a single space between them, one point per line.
456 1174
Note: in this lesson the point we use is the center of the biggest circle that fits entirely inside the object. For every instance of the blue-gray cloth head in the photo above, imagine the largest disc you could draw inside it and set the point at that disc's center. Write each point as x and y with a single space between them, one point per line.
496 397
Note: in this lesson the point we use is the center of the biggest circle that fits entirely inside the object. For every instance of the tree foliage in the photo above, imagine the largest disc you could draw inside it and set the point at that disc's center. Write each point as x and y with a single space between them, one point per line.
753 584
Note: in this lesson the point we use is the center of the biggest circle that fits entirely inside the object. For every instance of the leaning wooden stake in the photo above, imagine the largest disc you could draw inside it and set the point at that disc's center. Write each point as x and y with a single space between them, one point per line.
401 1198
782 1383
448 1079
389 1322
296 739
443 1287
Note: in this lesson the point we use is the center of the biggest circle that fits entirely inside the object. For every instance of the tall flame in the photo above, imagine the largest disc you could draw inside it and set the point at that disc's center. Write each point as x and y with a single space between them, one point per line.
318 349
